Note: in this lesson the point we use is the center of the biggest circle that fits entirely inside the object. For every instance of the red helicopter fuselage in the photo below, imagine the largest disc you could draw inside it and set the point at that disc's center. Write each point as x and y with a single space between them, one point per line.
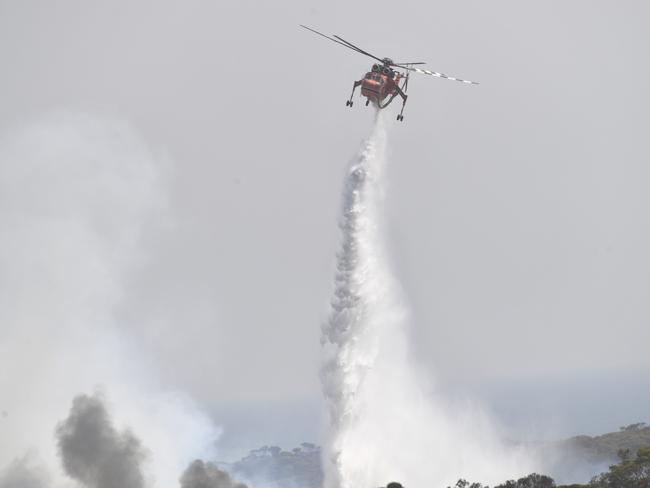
380 83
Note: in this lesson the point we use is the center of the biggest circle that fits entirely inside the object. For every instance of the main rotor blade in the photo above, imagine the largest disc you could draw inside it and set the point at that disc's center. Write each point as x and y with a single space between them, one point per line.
359 49
368 54
437 75
354 48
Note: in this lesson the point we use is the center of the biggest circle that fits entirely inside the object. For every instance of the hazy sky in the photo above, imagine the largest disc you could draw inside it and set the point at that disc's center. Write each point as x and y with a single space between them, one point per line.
517 208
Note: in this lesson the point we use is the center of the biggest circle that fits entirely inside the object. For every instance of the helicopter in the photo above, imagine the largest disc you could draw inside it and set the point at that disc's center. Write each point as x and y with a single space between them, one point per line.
387 79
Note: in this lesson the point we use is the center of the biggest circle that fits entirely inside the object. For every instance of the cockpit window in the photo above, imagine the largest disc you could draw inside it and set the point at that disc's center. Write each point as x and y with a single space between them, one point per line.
374 77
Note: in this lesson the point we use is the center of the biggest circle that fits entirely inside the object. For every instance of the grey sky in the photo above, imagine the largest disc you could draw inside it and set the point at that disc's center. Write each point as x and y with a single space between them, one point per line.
517 208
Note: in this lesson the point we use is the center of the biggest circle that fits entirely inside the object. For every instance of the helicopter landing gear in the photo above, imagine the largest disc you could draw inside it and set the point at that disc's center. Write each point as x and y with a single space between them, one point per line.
354 87
400 117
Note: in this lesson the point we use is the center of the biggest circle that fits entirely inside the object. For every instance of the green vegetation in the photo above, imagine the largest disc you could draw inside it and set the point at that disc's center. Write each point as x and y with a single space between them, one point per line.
629 473
533 480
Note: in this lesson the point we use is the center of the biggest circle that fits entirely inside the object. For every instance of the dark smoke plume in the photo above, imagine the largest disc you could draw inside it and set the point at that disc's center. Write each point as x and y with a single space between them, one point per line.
206 475
93 452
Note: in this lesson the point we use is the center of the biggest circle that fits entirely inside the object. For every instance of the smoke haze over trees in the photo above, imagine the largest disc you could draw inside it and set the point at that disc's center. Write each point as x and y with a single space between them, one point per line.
274 467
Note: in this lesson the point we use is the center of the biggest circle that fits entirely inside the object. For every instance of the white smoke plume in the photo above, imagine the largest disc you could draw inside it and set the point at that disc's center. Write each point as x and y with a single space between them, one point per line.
383 425
23 473
200 474
76 193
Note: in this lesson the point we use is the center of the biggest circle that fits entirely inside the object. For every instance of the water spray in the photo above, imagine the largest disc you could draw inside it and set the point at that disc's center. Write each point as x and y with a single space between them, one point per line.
382 425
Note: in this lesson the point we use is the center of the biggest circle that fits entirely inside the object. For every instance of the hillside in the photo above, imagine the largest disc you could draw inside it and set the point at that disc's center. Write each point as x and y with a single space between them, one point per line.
607 446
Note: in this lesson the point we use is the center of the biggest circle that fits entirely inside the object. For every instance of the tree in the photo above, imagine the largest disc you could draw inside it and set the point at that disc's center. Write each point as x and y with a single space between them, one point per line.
629 473
533 480
624 455
633 427
461 483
